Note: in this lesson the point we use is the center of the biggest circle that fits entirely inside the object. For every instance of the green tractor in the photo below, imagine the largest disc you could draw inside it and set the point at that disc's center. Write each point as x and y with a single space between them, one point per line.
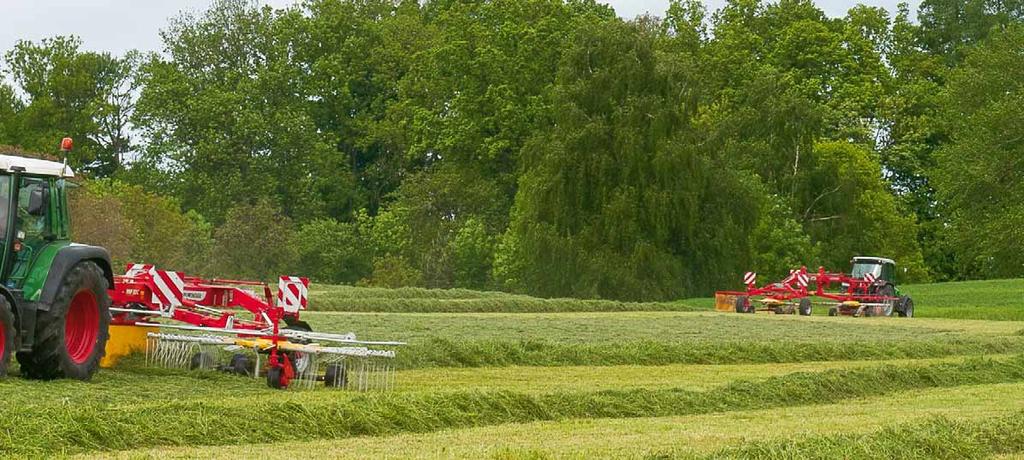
54 303
882 275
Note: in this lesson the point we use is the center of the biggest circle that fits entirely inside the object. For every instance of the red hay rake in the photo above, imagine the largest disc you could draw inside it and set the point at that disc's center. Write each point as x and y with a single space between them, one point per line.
246 320
798 293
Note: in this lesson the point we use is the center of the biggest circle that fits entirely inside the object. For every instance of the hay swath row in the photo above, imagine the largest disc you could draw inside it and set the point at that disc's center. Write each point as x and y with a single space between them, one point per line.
868 290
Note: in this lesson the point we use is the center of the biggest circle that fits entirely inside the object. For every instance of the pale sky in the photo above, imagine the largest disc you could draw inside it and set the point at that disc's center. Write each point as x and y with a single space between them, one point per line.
120 25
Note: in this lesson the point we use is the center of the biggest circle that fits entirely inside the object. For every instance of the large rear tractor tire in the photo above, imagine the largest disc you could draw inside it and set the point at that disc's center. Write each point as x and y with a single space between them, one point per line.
805 307
7 334
71 336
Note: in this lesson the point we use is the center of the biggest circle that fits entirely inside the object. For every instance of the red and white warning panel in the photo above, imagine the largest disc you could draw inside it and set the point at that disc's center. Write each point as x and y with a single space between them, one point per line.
292 293
145 291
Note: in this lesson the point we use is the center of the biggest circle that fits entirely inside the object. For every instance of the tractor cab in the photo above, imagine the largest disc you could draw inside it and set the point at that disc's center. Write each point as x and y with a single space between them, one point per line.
879 268
33 214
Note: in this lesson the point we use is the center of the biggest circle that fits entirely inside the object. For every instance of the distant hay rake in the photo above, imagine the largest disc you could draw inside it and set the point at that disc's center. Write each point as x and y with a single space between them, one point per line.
211 336
868 290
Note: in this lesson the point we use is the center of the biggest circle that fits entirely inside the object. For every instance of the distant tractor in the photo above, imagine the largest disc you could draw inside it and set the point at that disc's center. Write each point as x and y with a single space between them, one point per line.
869 290
881 274
54 304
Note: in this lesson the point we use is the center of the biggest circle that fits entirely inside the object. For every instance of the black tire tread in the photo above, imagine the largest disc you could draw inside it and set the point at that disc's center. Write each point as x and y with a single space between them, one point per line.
7 323
48 358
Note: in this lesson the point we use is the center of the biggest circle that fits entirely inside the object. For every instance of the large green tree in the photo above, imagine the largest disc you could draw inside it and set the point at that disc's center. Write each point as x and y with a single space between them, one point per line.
64 91
618 198
228 121
978 175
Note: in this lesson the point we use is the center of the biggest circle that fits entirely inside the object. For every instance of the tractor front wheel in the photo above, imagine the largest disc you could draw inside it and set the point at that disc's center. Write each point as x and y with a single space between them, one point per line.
906 307
7 334
71 336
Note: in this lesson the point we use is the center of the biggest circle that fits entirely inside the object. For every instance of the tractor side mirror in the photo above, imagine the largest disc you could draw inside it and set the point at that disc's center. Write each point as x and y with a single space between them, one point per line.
37 201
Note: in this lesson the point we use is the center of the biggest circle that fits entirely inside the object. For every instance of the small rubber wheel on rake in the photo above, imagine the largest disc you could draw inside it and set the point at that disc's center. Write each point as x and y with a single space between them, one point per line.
743 305
833 311
275 378
301 361
202 360
805 307
240 364
336 376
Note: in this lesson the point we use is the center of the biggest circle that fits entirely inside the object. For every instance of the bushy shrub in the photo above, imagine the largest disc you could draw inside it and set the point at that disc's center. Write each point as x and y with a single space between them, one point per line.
393 271
254 242
332 252
137 226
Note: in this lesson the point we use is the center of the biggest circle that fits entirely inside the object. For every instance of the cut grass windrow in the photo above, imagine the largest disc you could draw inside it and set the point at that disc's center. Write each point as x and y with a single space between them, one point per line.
636 438
327 301
440 352
44 430
938 438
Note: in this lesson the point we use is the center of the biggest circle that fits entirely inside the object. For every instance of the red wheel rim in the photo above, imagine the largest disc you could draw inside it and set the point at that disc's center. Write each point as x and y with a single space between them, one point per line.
81 325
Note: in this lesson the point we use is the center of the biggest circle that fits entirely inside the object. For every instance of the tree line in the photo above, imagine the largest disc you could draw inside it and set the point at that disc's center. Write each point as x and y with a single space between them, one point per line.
544 146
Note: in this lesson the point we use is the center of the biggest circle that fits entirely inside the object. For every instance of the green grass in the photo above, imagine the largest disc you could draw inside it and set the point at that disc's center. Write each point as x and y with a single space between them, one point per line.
418 300
657 338
652 326
992 300
681 436
516 376
532 379
53 428
939 438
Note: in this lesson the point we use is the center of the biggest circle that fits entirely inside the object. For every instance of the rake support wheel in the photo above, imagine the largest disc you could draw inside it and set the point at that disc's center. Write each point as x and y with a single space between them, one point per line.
72 334
743 305
336 376
805 307
275 378
202 360
240 364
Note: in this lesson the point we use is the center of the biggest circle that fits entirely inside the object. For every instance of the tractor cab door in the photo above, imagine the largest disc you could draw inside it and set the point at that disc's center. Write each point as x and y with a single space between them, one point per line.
33 226
889 272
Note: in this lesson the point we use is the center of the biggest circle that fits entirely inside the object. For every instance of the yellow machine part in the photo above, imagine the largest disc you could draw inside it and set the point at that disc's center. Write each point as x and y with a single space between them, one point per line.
725 302
125 340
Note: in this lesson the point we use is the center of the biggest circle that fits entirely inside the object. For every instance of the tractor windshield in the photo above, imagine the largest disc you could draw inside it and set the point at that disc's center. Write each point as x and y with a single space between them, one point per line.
863 268
5 195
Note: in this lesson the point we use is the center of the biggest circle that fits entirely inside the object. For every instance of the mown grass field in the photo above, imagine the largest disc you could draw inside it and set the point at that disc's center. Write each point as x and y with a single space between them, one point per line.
510 382
986 300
